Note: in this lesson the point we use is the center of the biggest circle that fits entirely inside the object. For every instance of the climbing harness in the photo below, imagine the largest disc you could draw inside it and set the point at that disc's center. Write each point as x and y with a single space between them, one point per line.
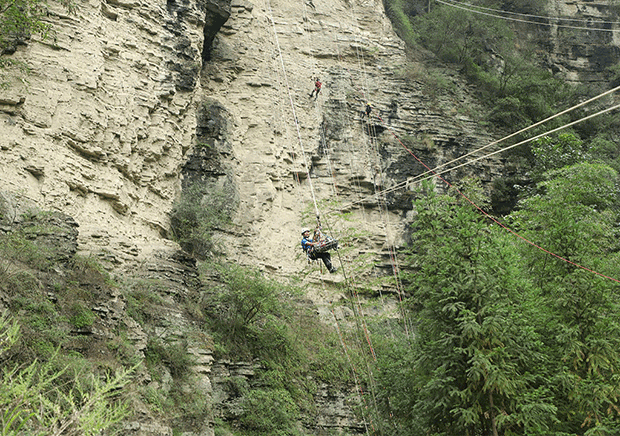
326 243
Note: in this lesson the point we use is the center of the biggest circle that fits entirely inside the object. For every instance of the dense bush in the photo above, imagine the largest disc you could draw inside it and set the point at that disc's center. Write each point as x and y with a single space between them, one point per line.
509 77
509 339
254 317
198 212
54 398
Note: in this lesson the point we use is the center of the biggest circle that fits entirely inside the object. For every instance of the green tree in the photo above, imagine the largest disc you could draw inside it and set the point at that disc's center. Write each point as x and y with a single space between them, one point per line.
197 213
244 307
505 68
552 153
458 36
476 371
19 20
574 216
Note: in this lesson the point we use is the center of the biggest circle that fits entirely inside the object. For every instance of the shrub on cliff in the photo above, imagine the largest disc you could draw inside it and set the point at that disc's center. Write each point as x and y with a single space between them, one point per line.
19 20
196 214
53 398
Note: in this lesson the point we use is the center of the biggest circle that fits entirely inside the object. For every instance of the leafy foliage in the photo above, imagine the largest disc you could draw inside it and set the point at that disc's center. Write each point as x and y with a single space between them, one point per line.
255 317
552 153
509 339
488 52
270 412
198 212
34 402
19 21
476 351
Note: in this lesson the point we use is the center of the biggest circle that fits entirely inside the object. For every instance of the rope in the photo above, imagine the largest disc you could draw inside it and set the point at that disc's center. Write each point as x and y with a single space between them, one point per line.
275 32
497 221
405 183
522 142
611 91
382 206
578 20
357 307
524 21
355 377
382 201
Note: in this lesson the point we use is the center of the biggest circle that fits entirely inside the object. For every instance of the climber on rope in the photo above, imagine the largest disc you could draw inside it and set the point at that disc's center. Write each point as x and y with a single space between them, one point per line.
368 109
317 88
315 248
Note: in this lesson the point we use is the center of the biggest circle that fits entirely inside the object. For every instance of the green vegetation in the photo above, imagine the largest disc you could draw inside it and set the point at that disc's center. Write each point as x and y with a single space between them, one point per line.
19 21
512 80
252 317
505 338
199 211
59 301
489 53
47 385
47 398
510 340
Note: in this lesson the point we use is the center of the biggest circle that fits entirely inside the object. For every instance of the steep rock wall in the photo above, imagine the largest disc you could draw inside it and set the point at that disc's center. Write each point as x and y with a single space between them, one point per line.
580 55
113 114
289 150
129 101
102 125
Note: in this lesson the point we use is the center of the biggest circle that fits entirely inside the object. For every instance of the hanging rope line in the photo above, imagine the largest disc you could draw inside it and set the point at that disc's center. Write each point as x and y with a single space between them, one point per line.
453 5
543 17
378 187
358 386
521 143
381 200
312 188
384 213
512 135
301 145
358 311
433 172
275 32
496 221
347 121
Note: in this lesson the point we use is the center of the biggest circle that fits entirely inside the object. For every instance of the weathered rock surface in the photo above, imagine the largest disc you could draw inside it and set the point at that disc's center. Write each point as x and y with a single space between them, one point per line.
131 100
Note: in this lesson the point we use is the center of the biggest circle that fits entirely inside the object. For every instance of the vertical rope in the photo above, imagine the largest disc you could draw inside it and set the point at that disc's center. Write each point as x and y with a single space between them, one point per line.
275 32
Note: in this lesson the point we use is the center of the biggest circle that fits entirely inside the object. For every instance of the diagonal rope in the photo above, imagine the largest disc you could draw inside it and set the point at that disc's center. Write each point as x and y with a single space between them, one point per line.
434 171
453 5
512 135
520 143
544 17
495 220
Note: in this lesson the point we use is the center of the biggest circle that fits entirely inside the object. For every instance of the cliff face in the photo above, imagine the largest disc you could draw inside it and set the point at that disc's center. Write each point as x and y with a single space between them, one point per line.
106 117
129 101
583 56
118 100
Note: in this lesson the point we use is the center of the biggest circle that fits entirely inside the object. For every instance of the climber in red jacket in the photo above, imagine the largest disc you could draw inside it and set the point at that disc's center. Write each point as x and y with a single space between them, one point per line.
317 88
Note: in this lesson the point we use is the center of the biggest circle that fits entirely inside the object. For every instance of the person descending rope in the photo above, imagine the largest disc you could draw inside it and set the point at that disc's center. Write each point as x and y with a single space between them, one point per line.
317 88
310 248
368 109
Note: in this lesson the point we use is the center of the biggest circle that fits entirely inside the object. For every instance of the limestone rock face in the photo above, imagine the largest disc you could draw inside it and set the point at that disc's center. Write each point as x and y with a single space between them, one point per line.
129 101
103 124
581 55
